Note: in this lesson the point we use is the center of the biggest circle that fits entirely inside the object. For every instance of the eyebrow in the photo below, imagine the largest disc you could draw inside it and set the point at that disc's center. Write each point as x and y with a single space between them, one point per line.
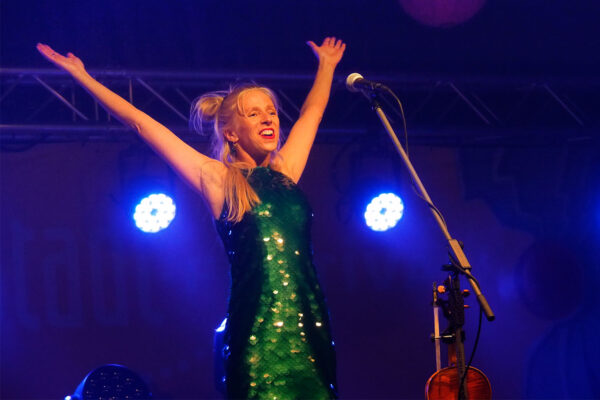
256 108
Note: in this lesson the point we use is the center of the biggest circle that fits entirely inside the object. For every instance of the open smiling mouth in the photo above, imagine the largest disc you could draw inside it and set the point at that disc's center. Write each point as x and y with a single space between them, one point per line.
268 133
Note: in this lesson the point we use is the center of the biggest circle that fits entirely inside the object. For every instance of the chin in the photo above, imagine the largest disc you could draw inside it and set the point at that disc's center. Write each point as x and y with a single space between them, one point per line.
271 148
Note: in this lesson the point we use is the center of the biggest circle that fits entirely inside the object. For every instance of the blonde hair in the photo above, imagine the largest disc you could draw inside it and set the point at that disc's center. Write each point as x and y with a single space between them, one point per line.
220 108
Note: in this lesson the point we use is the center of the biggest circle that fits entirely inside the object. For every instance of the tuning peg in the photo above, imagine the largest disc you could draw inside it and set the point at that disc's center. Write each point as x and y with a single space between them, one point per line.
466 293
441 289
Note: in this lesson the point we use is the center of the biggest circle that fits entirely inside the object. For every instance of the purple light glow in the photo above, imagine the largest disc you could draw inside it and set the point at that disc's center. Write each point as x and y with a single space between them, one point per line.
441 13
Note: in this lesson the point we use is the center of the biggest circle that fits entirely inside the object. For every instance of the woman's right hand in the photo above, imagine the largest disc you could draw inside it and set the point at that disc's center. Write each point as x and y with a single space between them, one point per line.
70 63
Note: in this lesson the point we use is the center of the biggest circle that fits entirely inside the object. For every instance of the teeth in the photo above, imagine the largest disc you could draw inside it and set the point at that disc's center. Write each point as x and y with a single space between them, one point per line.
267 133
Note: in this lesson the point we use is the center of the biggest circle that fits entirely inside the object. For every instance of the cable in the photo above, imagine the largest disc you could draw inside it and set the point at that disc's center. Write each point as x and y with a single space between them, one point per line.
459 267
453 260
474 349
389 91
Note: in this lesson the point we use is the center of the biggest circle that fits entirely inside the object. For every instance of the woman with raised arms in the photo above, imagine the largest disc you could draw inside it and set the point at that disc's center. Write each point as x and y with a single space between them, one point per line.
278 342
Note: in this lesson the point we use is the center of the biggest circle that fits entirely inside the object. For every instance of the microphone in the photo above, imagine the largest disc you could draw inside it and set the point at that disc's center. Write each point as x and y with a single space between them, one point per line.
356 83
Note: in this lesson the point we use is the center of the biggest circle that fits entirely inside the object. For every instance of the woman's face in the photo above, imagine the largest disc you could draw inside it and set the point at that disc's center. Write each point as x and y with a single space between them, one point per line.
257 128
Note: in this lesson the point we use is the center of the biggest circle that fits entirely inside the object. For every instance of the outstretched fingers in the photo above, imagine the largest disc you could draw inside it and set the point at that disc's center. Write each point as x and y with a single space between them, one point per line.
332 41
330 52
50 54
70 63
45 50
312 45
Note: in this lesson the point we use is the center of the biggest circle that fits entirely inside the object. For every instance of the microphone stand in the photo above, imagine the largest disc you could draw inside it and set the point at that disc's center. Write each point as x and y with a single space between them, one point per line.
457 256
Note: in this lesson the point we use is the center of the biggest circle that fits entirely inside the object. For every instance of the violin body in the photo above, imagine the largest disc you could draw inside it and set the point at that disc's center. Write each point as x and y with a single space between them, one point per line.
443 385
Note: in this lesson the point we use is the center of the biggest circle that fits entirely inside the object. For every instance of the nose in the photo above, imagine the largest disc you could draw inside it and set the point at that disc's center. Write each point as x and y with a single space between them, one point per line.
267 118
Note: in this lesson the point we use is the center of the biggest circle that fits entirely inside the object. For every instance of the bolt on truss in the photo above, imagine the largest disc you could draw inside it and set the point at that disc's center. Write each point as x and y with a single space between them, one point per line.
46 105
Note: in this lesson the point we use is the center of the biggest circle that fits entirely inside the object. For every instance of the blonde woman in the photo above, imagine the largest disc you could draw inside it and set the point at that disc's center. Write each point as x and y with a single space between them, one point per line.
277 340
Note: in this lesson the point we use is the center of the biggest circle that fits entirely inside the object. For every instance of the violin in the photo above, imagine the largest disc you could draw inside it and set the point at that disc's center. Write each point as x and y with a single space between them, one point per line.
448 383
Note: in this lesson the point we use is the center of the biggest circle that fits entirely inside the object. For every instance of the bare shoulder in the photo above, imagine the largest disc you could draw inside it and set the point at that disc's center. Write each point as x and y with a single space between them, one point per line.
278 163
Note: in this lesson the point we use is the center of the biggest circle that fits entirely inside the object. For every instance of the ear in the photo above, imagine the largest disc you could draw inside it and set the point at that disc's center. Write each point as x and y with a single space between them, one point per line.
230 136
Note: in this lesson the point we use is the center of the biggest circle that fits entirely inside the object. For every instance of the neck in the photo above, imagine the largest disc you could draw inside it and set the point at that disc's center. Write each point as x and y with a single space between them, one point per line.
244 157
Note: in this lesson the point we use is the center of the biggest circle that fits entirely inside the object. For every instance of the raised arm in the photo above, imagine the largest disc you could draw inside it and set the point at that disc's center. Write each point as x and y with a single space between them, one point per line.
203 173
302 136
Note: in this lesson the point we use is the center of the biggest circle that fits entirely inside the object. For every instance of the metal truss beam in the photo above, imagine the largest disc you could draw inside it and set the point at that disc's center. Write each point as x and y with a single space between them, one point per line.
46 106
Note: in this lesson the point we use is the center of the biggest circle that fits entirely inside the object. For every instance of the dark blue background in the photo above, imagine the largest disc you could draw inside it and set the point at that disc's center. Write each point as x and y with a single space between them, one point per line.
81 287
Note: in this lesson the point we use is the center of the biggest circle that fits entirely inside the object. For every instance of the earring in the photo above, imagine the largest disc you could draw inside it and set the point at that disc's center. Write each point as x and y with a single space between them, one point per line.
232 146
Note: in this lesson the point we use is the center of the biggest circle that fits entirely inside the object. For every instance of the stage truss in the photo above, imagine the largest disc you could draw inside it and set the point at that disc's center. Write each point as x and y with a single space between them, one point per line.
46 106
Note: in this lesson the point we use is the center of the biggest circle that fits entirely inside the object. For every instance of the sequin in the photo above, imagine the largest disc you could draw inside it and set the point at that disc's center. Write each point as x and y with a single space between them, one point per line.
226 352
274 287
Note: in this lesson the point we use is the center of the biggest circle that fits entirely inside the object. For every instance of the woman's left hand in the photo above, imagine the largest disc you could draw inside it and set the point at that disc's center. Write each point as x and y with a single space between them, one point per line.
330 52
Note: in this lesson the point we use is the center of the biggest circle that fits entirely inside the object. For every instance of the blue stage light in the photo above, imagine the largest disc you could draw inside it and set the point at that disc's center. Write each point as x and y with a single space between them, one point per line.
384 212
154 213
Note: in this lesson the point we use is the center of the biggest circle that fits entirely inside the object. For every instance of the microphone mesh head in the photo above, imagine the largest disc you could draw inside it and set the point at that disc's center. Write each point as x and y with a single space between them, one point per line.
351 79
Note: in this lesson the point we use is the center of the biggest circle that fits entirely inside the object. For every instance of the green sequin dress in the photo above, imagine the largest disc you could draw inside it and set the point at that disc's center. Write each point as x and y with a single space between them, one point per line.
278 341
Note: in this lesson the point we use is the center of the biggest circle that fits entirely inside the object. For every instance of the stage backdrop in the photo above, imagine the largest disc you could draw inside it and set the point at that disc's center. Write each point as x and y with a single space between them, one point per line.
82 287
